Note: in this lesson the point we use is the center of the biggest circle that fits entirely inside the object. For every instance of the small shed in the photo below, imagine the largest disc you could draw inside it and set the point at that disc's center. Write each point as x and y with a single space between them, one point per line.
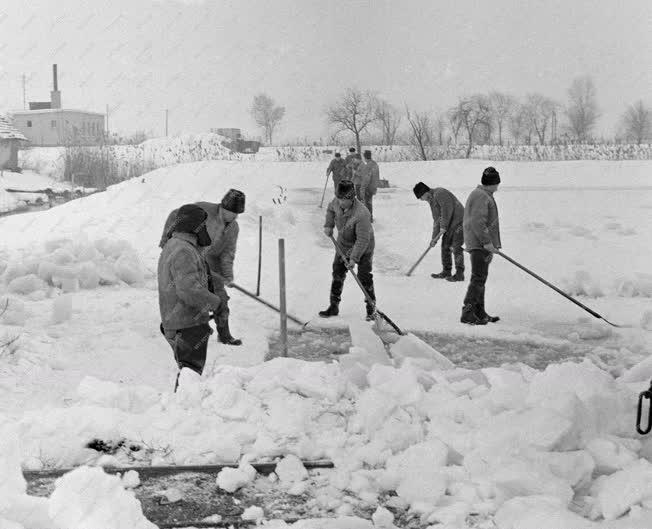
11 140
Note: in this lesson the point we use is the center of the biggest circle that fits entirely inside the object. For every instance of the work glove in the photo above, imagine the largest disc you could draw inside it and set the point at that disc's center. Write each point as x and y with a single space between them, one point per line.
328 231
434 240
490 247
349 263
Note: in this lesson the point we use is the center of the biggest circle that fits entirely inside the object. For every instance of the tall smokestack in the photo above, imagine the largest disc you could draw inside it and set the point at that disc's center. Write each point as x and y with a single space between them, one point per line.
55 95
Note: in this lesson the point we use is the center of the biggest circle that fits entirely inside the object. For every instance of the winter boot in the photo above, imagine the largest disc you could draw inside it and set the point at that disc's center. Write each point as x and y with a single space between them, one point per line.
224 334
483 314
371 313
442 275
459 276
332 310
469 316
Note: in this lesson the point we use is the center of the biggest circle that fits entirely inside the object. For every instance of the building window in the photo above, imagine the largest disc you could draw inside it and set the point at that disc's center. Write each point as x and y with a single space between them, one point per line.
29 122
53 123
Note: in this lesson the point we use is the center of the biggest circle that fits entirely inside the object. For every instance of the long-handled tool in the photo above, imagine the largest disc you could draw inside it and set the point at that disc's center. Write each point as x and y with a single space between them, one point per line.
267 304
558 290
418 261
370 301
321 204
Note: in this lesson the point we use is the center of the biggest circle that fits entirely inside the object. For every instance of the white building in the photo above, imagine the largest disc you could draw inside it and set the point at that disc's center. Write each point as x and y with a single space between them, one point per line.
46 123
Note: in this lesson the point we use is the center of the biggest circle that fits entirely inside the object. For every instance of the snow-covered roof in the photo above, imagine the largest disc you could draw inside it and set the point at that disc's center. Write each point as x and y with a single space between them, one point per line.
52 110
8 131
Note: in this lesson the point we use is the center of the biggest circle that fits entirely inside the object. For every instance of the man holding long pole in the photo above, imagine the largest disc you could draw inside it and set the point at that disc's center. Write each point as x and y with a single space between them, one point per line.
482 240
356 237
447 216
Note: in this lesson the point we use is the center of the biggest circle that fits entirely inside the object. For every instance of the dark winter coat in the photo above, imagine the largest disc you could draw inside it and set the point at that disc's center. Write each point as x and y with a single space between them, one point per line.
354 229
184 297
447 211
221 253
338 168
481 224
368 176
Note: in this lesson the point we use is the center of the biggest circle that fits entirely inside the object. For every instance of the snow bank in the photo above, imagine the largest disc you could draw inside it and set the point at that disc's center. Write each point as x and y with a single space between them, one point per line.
447 442
70 265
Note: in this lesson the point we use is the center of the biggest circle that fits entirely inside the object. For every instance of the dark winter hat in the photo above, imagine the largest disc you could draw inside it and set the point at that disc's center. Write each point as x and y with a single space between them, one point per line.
490 177
189 219
352 149
367 155
234 201
420 189
338 155
345 189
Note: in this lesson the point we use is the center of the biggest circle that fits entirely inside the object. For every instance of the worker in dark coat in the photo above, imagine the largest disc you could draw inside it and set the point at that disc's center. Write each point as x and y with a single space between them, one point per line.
348 171
447 216
222 226
185 297
337 168
366 182
356 236
482 240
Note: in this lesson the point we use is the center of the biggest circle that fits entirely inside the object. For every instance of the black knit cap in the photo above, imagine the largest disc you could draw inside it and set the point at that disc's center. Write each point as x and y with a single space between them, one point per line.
420 189
234 201
352 149
338 155
490 177
345 189
367 154
189 219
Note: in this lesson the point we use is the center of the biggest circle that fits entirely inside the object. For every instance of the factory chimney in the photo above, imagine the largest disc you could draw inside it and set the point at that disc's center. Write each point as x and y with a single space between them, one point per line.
55 94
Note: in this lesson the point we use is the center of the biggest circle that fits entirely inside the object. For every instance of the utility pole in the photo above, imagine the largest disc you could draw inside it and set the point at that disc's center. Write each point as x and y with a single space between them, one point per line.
24 91
166 122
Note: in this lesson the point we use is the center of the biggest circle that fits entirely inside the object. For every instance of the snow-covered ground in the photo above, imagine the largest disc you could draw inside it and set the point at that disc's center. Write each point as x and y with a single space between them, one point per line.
513 446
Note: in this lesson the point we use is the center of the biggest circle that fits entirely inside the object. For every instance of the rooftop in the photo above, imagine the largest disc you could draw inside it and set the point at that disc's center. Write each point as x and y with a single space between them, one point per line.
8 131
53 111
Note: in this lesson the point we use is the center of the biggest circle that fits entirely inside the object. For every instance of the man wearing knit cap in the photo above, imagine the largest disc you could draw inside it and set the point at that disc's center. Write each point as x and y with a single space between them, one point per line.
222 226
482 239
447 216
185 298
348 170
356 236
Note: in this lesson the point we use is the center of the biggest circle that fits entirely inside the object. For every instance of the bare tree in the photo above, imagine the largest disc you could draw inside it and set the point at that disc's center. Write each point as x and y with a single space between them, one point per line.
389 121
266 115
538 111
519 126
354 112
502 106
474 113
439 128
420 133
455 122
582 110
637 122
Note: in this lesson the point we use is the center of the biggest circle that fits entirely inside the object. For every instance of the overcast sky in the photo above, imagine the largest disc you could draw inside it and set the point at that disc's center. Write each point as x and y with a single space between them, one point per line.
205 60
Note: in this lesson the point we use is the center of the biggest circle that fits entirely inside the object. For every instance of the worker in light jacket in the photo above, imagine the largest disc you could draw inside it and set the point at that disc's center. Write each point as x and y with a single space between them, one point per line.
482 240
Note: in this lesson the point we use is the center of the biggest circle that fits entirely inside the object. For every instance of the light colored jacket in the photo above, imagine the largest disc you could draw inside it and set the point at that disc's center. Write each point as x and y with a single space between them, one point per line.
183 294
354 230
447 211
369 177
338 168
221 253
481 224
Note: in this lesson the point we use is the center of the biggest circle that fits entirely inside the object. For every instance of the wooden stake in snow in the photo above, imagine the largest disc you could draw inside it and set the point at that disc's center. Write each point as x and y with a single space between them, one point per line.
260 251
281 282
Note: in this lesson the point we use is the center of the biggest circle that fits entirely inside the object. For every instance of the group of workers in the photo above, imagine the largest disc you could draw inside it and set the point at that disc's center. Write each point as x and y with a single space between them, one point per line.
199 243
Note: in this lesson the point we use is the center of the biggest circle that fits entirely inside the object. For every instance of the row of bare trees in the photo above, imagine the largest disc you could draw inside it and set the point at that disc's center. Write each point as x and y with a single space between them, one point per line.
484 119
